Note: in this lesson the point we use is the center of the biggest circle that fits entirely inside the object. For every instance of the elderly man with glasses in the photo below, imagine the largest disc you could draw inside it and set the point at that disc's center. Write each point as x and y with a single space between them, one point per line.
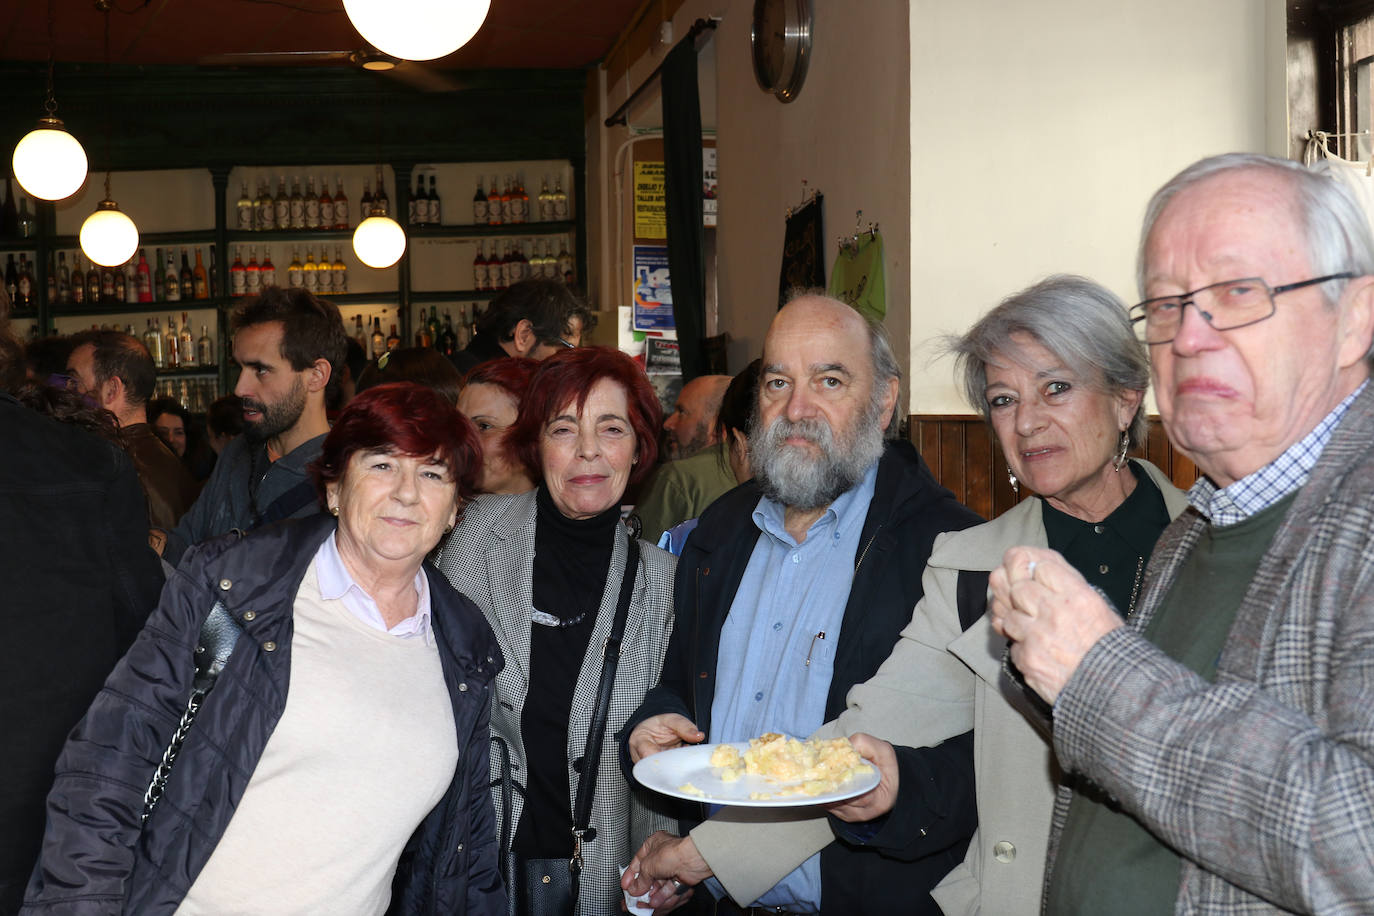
1221 741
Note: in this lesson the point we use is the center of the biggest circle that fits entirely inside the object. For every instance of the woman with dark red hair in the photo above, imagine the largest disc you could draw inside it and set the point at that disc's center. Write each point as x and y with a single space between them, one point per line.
339 761
491 398
562 583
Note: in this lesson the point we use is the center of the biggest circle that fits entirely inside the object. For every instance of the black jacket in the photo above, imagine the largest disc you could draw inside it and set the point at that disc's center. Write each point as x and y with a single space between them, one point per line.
97 859
909 509
79 580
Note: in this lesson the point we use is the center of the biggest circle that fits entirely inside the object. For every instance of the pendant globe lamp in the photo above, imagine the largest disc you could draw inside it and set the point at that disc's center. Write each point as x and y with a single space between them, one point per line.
445 25
379 241
108 236
49 162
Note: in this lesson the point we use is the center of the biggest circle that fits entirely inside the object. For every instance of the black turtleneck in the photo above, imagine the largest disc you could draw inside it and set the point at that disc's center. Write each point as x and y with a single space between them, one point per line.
571 560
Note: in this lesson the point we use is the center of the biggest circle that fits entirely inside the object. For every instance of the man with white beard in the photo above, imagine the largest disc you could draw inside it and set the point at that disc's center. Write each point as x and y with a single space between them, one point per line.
792 589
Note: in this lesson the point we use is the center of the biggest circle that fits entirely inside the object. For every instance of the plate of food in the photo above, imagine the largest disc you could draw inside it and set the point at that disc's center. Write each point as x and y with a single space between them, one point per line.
770 771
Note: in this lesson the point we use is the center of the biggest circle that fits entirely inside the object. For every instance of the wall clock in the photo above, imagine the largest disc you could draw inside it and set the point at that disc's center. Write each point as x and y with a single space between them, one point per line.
780 39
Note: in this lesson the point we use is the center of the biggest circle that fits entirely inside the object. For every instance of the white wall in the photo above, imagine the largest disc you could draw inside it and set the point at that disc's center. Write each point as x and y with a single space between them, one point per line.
996 142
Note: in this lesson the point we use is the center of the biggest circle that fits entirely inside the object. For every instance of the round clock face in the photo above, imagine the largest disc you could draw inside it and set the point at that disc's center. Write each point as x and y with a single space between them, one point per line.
781 42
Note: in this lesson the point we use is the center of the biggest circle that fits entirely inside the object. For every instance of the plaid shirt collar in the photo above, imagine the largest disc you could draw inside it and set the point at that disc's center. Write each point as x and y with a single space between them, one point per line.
1256 492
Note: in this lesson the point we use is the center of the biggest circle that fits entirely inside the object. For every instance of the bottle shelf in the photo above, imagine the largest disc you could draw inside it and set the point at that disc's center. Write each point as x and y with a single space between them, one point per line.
453 295
188 372
73 309
471 230
14 245
146 239
272 236
384 297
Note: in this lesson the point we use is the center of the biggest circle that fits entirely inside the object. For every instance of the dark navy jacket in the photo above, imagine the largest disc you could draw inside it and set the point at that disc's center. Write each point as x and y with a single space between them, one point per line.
909 509
95 857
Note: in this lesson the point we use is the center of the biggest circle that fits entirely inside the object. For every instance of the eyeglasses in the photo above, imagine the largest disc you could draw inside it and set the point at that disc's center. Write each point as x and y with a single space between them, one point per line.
1225 306
570 346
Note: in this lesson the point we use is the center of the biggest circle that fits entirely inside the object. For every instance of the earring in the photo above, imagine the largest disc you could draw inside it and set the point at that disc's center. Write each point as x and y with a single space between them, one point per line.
1121 448
1015 484
334 511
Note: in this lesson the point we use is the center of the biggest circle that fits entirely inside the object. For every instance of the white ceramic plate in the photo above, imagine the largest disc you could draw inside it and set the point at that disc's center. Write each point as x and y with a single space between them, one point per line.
669 771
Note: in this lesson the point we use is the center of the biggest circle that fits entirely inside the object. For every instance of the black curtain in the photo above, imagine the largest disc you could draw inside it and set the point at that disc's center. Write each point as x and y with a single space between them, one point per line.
683 188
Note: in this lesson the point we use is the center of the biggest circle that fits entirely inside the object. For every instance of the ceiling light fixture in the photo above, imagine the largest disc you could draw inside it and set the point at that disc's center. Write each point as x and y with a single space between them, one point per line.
379 241
445 25
108 236
49 163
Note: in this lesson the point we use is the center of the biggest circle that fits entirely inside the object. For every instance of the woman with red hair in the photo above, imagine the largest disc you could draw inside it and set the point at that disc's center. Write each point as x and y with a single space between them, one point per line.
339 763
491 398
559 578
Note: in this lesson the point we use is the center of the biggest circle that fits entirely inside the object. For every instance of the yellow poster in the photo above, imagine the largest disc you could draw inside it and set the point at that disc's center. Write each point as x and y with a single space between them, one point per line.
651 213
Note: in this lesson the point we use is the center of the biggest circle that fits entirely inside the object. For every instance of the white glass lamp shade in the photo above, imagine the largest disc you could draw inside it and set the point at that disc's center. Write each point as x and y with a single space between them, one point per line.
108 237
49 163
444 26
379 241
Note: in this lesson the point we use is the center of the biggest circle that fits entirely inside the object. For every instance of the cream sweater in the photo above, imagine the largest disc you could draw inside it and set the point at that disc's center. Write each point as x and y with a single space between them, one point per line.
365 748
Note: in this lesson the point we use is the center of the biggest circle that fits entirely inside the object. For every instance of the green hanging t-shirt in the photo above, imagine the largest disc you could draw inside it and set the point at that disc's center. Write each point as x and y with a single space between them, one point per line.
858 278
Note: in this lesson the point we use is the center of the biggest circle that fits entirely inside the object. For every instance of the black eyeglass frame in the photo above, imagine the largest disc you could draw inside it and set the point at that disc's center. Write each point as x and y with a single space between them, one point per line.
1139 311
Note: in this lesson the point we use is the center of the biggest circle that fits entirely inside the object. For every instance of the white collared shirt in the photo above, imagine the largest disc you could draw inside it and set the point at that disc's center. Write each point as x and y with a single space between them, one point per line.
337 583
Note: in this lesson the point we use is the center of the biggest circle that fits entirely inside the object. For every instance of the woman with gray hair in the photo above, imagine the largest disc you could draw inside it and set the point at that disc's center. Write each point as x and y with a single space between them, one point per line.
1059 374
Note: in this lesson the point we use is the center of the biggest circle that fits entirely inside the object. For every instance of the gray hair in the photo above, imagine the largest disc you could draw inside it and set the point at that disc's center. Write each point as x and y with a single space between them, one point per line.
1079 321
1334 224
880 352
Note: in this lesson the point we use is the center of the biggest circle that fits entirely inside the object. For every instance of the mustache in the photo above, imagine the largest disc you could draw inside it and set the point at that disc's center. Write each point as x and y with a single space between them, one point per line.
812 430
250 404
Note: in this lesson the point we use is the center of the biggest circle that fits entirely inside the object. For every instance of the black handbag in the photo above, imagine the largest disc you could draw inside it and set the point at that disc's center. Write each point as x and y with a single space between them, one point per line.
549 887
218 635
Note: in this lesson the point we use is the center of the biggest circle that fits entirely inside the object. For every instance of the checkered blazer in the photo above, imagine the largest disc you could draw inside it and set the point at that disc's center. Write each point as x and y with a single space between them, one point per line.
489 557
1263 780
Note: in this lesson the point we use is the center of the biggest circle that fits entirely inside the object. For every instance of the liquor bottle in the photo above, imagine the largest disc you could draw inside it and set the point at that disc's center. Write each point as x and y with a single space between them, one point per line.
64 278
311 204
378 341
479 205
393 340
365 205
545 201
519 200
566 271
464 329
252 274
507 213
92 284
152 339
9 216
309 272
560 200
131 283
24 295
245 209
171 281
436 209
496 266
238 275
281 205
293 271
28 226
267 271
52 277
159 294
448 341
143 278
324 272
435 329
205 348
358 332
417 208
480 278
494 203
297 204
11 279
339 271
108 286
548 267
199 280
121 289
423 337
186 346
171 344
379 198
326 205
340 204
264 208
78 280
188 279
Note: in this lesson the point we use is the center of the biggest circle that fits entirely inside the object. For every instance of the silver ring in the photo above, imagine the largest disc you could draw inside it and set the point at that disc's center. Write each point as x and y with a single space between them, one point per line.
677 885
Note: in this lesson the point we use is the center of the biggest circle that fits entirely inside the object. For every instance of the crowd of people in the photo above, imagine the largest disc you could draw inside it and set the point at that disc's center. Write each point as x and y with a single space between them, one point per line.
382 637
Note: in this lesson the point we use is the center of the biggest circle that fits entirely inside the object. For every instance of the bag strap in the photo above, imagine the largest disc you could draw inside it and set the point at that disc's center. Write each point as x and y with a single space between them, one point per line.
215 644
505 783
289 503
591 760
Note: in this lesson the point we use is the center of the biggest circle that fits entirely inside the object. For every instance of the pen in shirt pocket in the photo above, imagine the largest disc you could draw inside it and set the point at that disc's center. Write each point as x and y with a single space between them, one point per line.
812 650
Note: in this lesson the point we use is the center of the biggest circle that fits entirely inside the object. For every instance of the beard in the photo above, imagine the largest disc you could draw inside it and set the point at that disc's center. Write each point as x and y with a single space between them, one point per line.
277 417
792 476
676 448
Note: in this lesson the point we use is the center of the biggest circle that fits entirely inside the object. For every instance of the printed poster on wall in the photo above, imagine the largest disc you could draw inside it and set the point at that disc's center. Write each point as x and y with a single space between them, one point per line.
653 306
651 208
709 183
661 357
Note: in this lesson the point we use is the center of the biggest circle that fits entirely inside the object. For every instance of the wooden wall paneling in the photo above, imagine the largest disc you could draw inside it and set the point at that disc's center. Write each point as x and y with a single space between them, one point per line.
979 468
